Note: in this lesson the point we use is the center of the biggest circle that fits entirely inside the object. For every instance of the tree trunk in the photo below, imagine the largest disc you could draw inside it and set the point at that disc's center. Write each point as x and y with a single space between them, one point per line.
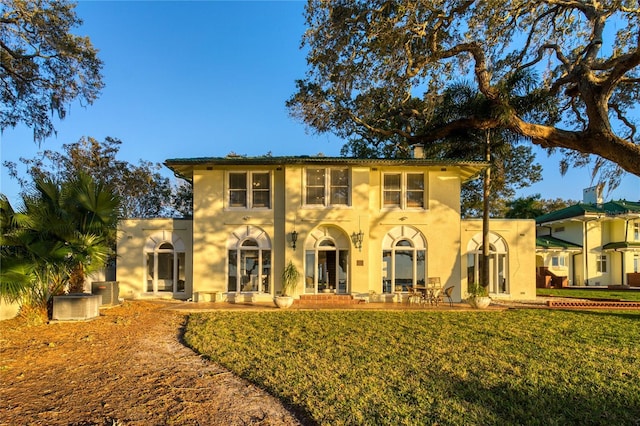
599 142
484 280
76 279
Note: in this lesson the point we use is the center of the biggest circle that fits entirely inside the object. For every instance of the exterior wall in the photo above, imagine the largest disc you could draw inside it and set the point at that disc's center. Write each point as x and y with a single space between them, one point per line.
442 217
214 222
133 236
558 270
216 227
573 232
310 222
599 232
519 236
593 249
8 310
628 261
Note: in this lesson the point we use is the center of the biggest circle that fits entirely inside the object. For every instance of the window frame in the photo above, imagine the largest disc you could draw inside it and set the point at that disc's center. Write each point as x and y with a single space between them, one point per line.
327 187
262 260
558 261
165 262
602 264
391 267
249 190
404 191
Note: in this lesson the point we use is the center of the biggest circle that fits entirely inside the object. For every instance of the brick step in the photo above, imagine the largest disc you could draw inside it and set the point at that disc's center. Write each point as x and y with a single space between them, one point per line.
326 299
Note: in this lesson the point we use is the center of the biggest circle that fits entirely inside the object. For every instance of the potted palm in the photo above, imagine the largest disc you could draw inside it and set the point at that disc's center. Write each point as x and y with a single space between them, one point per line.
477 296
290 277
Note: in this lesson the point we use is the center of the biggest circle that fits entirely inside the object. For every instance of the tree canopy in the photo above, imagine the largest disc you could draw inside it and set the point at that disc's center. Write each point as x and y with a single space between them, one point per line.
378 70
43 66
533 206
143 191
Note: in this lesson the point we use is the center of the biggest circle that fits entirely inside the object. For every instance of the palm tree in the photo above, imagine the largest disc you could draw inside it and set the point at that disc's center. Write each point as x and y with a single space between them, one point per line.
63 232
498 148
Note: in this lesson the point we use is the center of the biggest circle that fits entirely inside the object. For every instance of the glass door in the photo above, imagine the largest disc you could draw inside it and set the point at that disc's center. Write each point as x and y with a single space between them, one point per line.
249 267
326 270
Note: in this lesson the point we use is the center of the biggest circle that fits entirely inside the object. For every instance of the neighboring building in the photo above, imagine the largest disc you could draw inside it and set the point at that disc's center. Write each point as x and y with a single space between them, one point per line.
592 243
354 226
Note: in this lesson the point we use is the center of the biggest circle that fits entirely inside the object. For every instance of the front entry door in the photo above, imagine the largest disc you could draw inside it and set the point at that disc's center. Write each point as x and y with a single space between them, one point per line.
326 270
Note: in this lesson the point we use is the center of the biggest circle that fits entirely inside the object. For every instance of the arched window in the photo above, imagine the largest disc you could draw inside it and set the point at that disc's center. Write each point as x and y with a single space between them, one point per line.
249 261
498 261
404 259
326 261
164 263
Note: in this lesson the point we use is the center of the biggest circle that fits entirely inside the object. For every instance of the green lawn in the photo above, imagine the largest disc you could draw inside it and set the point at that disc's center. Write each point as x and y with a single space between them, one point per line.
629 295
449 368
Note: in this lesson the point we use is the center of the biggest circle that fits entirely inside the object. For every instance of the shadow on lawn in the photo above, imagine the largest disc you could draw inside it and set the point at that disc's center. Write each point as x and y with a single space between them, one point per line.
506 403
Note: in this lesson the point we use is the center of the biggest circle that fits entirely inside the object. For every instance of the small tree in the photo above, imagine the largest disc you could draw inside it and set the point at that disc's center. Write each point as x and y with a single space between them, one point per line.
62 232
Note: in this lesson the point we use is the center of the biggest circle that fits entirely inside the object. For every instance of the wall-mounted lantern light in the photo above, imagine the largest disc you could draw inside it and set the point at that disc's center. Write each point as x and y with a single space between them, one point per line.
357 239
294 238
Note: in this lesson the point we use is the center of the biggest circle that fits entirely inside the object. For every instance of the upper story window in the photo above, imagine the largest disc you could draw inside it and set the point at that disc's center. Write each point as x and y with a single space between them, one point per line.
636 231
327 187
403 190
249 190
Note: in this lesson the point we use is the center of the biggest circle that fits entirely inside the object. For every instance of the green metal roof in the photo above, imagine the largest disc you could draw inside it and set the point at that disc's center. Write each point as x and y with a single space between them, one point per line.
608 209
624 245
548 242
184 167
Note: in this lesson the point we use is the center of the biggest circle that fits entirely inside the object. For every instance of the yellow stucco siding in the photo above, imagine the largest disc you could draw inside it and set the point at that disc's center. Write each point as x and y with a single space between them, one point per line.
436 228
519 237
209 238
137 238
214 222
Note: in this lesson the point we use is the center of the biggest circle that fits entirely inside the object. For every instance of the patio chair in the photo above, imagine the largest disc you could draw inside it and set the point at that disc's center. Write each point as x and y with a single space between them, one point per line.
413 296
434 291
447 293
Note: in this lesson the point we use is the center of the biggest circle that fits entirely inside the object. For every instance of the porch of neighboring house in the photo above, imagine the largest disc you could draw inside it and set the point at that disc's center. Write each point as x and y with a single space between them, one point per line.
555 261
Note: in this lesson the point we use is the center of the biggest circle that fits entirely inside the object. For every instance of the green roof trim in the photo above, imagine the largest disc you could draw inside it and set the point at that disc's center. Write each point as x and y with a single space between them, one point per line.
184 166
622 245
549 242
303 159
608 209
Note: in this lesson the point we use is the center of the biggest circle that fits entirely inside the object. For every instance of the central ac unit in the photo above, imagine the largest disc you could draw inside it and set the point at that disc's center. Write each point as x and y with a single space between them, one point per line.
109 290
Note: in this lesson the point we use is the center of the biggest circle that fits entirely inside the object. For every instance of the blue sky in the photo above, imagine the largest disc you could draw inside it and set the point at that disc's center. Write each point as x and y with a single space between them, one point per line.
205 78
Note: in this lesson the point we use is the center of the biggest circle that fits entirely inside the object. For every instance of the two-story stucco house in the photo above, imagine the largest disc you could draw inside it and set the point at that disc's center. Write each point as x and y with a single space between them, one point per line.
350 226
592 243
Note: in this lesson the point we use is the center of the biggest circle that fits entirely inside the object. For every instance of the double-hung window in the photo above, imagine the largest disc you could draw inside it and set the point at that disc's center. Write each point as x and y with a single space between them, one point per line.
327 187
636 231
601 263
403 190
249 190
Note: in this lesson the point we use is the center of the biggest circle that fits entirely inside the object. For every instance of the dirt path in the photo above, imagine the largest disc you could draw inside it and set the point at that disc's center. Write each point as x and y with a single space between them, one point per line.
127 367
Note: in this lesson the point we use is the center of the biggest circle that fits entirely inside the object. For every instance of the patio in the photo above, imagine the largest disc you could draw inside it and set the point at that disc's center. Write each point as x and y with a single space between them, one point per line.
266 306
